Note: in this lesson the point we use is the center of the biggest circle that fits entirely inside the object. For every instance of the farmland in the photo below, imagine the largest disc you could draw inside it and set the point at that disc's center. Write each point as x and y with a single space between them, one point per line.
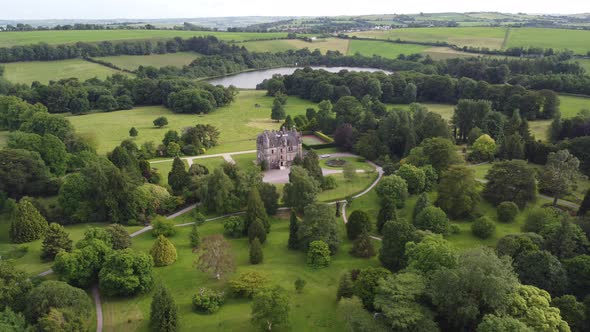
571 105
281 45
384 49
45 71
558 39
132 62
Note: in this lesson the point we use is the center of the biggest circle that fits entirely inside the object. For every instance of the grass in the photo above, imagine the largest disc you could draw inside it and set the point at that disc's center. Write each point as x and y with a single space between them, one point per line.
570 106
164 168
311 140
347 188
132 62
384 49
282 266
445 110
358 164
558 39
239 123
45 71
585 63
3 138
8 39
328 44
246 161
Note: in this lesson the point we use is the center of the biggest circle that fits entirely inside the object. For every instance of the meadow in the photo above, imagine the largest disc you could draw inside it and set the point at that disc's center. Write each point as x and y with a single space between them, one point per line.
384 49
558 39
132 62
238 123
72 36
282 45
570 106
45 71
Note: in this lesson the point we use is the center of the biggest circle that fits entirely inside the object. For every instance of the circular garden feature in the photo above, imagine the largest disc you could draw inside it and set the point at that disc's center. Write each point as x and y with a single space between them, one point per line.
336 162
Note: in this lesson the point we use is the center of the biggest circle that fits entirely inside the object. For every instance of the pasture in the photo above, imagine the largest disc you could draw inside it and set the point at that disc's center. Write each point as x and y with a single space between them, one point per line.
570 106
132 62
558 39
282 45
238 123
45 71
8 39
384 49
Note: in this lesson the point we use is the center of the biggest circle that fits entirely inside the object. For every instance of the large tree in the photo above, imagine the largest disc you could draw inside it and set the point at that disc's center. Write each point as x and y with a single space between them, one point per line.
432 253
56 295
532 306
178 177
14 286
22 173
164 312
392 190
215 256
510 181
319 223
438 152
270 308
255 210
359 222
396 233
541 269
27 223
301 190
126 272
578 271
559 175
56 239
458 191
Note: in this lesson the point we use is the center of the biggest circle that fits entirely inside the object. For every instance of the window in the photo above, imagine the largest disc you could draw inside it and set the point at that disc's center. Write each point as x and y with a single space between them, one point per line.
272 151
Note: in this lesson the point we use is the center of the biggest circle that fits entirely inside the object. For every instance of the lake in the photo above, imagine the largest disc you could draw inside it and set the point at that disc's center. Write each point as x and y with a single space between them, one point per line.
249 80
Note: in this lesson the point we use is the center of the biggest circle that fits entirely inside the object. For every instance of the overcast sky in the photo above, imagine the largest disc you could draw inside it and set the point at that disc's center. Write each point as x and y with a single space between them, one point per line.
108 9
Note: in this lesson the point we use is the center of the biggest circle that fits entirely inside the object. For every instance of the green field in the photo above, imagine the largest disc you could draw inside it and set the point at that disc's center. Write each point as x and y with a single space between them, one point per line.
585 63
347 188
329 44
282 266
132 62
570 106
238 123
558 39
384 49
73 36
45 71
445 110
3 138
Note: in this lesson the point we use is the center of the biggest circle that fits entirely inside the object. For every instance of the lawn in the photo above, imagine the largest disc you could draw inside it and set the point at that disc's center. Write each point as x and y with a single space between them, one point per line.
558 39
238 123
72 36
282 266
311 140
329 44
347 188
246 161
584 63
132 62
3 138
164 168
384 49
468 36
445 110
570 106
44 71
358 163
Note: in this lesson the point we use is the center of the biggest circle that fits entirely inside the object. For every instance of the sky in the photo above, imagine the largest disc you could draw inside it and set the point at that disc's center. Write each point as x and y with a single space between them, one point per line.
110 9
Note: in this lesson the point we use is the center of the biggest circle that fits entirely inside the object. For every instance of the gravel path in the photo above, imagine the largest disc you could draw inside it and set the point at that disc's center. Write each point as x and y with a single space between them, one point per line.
98 305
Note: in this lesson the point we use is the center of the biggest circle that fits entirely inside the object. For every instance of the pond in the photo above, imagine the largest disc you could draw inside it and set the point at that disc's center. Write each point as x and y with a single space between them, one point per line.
249 80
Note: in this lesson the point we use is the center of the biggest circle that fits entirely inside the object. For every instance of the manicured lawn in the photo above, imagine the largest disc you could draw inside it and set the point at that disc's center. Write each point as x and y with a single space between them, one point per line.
164 168
570 106
384 49
329 44
72 36
246 161
358 164
311 140
558 39
347 188
282 266
132 62
44 71
238 123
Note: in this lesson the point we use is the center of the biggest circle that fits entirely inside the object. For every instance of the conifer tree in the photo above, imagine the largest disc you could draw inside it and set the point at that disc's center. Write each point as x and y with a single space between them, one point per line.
345 286
178 176
386 213
256 230
56 240
133 132
278 110
422 203
194 238
363 246
164 313
393 248
119 236
293 243
27 223
163 252
256 254
256 211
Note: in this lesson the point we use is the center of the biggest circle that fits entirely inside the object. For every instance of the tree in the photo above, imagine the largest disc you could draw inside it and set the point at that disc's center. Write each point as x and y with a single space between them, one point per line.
422 203
194 238
27 223
532 306
178 177
414 177
345 287
483 149
481 283
538 218
293 242
559 175
541 269
492 323
585 206
256 254
349 171
438 152
396 233
392 190
278 112
208 300
572 311
319 223
255 211
216 192
318 254
160 121
215 256
257 231
515 245
81 267
56 239
433 219
57 295
507 211
191 100
133 132
270 197
356 318
126 272
469 114
14 286
565 239
473 135
301 190
235 227
386 213
270 308
578 271
510 181
164 312
163 226
366 284
22 173
398 297
358 223
119 236
247 284
363 246
512 147
311 163
12 322
483 228
163 252
432 253
299 285
410 93
458 192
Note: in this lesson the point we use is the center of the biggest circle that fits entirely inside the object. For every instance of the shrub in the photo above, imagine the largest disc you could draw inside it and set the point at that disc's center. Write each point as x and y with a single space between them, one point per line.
433 219
392 189
483 228
160 121
234 227
256 230
414 177
329 182
299 285
27 223
507 211
163 252
208 301
119 236
162 226
56 240
247 284
363 246
318 255
256 254
57 295
164 312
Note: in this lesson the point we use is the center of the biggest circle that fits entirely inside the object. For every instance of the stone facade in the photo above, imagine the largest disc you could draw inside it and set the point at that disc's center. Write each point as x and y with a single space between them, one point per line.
278 148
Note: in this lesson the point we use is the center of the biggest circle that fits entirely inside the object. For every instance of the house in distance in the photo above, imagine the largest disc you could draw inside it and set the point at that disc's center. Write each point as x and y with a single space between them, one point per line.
277 149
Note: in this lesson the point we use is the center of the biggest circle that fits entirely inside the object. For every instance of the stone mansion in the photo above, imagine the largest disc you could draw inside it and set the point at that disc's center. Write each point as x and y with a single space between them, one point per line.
278 148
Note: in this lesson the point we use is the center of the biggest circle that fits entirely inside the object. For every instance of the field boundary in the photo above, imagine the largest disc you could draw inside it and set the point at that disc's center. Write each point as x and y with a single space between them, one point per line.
506 37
